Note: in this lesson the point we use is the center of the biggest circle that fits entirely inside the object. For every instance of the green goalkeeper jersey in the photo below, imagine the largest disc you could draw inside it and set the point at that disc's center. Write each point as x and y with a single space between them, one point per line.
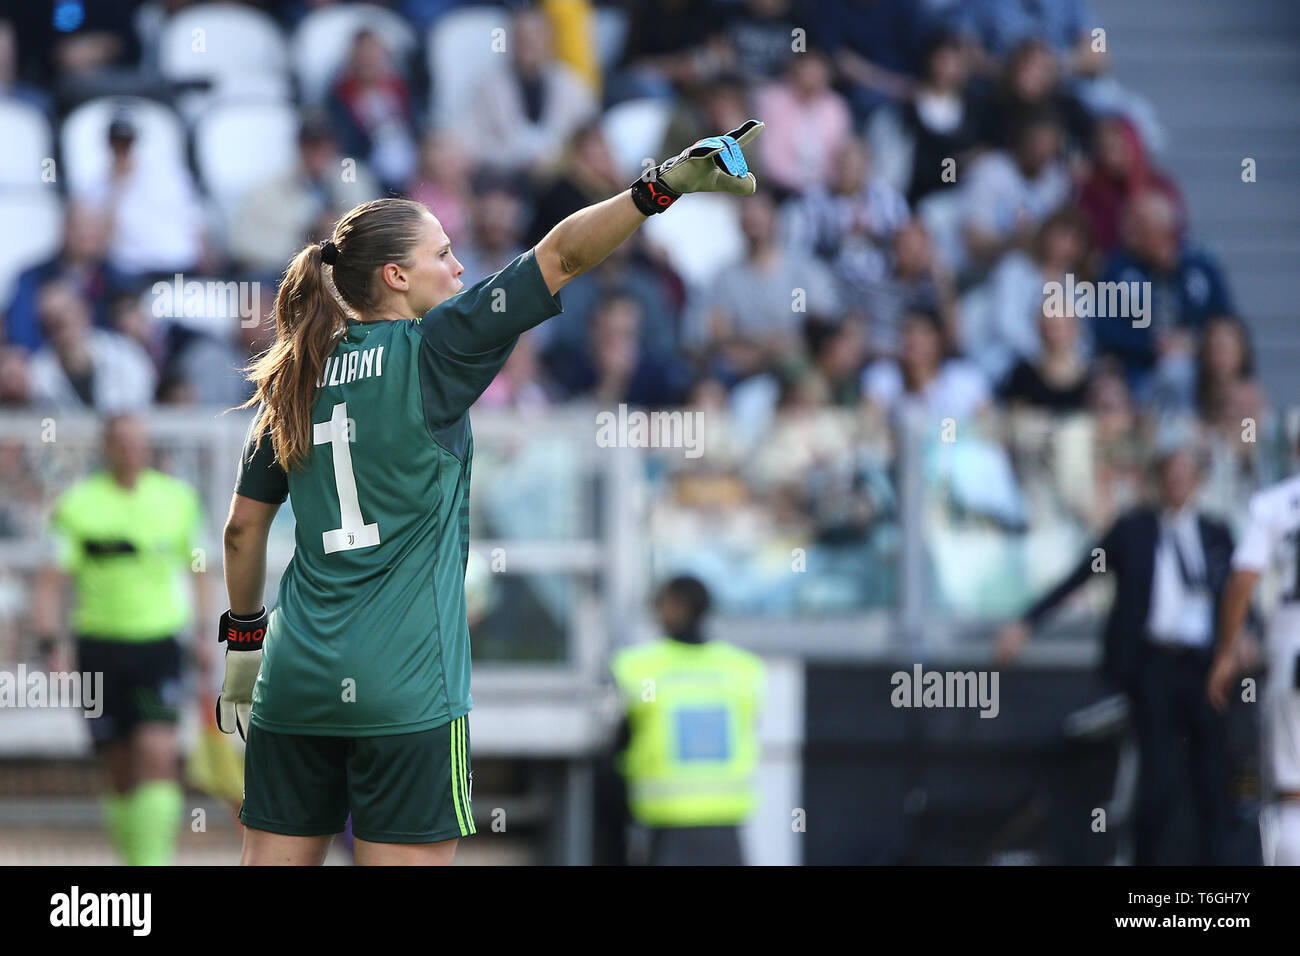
369 636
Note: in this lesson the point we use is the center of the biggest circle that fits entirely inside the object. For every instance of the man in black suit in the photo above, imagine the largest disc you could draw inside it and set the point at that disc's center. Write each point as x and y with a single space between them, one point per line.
1170 566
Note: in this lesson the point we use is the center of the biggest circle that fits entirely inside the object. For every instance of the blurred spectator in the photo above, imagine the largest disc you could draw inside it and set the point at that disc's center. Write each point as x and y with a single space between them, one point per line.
15 378
10 85
1180 286
372 112
657 54
808 123
422 13
574 38
157 215
760 34
1119 171
1030 83
1058 378
213 365
73 46
999 26
277 216
1226 389
837 353
519 385
805 432
912 278
625 272
1000 322
130 317
756 298
925 376
521 113
442 182
82 261
84 367
496 230
875 47
615 369
939 125
586 175
1120 444
705 109
1008 194
1169 562
855 213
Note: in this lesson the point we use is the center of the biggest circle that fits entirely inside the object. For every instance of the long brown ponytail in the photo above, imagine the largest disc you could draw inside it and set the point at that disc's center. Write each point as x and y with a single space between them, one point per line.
309 316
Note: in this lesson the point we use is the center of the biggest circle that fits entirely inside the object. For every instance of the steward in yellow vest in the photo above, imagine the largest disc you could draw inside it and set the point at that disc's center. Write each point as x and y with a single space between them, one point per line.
691 732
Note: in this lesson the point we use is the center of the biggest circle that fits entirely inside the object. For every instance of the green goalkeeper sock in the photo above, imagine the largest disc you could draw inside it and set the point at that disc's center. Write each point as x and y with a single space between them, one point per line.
117 822
154 811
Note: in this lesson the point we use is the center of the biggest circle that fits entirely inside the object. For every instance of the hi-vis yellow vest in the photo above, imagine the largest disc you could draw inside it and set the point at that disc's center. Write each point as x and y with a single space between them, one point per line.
692 711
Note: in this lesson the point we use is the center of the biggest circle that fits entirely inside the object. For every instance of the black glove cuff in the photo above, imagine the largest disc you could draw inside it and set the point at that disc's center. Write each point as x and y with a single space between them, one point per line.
242 634
653 197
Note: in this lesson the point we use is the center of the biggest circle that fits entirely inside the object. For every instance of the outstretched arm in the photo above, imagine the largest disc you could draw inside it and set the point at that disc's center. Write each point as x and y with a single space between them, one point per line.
583 240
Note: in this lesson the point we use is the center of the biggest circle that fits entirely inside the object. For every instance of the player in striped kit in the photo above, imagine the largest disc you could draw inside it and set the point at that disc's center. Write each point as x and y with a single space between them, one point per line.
1271 541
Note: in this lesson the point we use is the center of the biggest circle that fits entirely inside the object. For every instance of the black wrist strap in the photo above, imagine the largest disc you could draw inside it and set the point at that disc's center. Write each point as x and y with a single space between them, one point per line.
242 634
653 197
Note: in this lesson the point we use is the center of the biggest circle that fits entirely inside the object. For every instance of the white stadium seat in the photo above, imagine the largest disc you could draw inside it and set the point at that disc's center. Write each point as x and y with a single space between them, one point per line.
460 50
238 146
700 236
635 132
239 49
25 133
32 233
321 43
83 138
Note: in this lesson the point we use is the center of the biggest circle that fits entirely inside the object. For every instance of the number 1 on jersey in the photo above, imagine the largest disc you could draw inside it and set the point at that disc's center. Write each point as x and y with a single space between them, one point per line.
355 533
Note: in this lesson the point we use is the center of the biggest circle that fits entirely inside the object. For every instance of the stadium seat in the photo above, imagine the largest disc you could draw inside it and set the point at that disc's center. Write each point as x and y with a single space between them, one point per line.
460 48
83 138
33 232
238 146
635 132
27 139
320 44
241 51
699 235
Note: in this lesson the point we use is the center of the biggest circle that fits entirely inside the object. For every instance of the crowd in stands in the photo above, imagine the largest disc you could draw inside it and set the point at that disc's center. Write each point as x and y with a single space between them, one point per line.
927 168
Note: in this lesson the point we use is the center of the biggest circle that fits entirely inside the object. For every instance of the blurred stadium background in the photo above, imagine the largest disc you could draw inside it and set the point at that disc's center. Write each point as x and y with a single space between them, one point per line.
842 538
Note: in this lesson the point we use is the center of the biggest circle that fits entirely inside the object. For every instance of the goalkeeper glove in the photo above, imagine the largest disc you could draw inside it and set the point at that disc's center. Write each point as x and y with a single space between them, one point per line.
243 639
714 164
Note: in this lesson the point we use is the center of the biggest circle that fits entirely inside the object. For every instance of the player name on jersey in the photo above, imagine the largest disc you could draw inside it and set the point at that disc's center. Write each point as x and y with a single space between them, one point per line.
350 366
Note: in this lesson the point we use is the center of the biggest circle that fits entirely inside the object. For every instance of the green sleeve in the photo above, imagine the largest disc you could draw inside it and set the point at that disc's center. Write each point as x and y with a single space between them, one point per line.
260 475
467 339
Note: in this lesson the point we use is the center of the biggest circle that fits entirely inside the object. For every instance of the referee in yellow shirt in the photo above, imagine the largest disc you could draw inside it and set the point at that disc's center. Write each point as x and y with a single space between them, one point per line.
125 536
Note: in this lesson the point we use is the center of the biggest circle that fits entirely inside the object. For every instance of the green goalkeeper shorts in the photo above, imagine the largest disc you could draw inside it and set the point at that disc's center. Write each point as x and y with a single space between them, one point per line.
405 788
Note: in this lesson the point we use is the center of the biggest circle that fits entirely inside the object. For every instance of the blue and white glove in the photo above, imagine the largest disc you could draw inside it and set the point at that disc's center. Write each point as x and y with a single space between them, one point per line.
713 164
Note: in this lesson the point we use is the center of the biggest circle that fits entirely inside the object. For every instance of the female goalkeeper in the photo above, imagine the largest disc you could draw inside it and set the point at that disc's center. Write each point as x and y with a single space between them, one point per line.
352 694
